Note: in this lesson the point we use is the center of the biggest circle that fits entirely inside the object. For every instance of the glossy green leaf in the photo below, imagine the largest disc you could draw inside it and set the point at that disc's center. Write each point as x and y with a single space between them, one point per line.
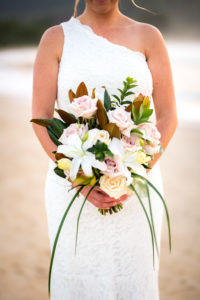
41 122
53 136
107 100
59 172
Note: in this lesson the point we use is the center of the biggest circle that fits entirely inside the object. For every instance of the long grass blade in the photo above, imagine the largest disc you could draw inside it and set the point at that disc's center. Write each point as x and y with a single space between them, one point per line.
78 219
165 206
151 231
57 236
151 215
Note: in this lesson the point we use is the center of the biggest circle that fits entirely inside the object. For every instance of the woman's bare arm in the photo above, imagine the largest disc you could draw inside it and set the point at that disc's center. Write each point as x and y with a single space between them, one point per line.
45 83
44 95
163 88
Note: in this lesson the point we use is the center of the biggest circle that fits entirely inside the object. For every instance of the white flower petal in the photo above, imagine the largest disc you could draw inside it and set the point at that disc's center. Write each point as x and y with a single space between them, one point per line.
116 147
75 167
91 137
86 166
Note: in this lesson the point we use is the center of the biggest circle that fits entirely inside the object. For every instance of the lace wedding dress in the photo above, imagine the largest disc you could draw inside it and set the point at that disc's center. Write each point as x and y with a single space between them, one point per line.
114 252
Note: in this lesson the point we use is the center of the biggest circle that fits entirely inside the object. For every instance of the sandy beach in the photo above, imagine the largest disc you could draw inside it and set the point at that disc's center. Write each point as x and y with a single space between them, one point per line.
24 250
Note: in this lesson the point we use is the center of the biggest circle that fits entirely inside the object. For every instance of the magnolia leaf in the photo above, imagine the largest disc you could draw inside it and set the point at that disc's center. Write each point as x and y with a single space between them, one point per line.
71 95
81 90
129 108
41 122
68 118
107 100
137 103
59 172
59 156
53 136
93 93
58 126
101 114
113 130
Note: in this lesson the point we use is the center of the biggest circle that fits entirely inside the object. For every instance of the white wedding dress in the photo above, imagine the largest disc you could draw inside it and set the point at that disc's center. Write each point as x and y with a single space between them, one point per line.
114 252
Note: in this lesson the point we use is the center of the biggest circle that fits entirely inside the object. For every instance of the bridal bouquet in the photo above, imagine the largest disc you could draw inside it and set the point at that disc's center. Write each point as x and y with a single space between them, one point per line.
106 143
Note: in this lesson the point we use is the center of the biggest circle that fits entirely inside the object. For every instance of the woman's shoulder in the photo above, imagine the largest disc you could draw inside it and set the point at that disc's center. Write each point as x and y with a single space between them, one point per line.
150 35
149 31
52 40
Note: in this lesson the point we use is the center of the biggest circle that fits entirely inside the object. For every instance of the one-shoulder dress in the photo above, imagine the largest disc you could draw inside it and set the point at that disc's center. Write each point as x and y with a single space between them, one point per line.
114 252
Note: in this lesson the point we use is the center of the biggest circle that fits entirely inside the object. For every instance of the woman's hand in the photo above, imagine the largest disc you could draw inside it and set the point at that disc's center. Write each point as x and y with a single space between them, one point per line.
100 199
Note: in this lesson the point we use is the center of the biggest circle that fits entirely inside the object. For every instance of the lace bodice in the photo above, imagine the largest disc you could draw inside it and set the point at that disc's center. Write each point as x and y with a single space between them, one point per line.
85 58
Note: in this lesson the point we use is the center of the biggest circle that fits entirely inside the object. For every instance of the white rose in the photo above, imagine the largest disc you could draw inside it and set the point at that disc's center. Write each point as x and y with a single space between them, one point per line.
94 135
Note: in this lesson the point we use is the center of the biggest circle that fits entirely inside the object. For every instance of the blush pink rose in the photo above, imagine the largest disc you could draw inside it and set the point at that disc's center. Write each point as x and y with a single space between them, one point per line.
81 130
131 143
83 106
114 166
152 148
150 132
120 117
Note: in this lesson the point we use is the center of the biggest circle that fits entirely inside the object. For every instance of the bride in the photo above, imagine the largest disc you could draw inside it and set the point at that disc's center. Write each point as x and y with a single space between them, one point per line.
102 46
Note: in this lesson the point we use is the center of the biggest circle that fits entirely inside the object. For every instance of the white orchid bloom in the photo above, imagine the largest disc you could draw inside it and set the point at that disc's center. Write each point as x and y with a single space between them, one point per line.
128 159
74 149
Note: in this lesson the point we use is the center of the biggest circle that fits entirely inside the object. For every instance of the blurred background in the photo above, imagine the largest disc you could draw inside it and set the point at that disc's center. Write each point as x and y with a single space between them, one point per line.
24 250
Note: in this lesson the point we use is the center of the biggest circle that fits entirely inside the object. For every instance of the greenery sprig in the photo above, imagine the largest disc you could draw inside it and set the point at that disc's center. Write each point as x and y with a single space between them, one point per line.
128 84
100 150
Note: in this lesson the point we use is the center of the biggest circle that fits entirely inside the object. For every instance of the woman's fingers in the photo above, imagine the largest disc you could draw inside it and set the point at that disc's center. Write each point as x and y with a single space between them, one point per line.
100 199
103 205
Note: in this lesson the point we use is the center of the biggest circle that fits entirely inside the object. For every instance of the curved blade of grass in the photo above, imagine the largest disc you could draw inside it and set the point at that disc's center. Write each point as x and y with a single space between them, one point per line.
152 236
151 215
165 206
96 183
57 236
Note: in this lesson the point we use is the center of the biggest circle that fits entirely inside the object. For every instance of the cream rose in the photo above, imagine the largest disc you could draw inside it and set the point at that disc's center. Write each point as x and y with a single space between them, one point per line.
94 135
114 186
83 106
120 117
